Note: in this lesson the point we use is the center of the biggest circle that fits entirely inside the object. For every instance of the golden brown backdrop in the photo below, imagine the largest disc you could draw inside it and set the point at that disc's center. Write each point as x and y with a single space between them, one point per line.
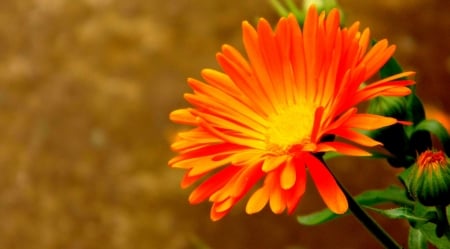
85 91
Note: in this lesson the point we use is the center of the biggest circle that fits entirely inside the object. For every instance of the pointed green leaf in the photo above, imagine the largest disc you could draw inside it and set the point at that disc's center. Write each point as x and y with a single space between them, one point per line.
429 232
415 110
317 217
403 213
392 194
390 68
437 129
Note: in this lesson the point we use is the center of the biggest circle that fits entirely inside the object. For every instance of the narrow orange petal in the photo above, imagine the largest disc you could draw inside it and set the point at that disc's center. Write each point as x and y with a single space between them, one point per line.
212 184
288 175
213 97
249 176
216 215
272 162
326 185
183 116
221 81
332 124
277 202
283 36
398 87
225 205
399 91
294 194
272 184
257 201
239 184
189 180
356 137
231 125
342 148
244 79
207 151
272 60
297 58
247 157
260 73
233 138
193 140
310 43
368 121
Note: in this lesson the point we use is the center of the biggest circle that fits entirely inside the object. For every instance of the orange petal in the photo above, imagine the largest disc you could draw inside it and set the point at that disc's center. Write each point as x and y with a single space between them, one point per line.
328 189
183 116
367 121
294 194
224 205
356 137
189 180
216 215
220 81
288 175
273 162
212 184
277 202
257 201
342 148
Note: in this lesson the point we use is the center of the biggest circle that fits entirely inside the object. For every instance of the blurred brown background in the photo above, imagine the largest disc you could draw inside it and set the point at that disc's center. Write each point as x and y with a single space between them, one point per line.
85 91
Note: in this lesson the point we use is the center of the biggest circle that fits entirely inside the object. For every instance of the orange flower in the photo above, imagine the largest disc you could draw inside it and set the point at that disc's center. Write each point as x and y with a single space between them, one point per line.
263 121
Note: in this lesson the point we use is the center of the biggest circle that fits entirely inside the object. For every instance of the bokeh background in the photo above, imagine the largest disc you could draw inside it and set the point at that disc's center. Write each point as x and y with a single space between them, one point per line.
85 91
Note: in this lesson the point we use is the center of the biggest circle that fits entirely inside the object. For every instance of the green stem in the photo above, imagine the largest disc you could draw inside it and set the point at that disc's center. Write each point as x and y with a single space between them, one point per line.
376 230
384 238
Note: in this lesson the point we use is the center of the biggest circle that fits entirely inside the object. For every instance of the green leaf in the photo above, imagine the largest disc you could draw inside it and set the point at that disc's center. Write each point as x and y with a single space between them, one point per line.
391 194
416 239
390 68
429 229
429 232
415 110
317 217
403 213
437 129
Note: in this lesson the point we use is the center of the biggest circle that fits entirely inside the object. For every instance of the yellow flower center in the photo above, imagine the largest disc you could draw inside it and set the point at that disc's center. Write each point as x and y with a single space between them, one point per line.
292 126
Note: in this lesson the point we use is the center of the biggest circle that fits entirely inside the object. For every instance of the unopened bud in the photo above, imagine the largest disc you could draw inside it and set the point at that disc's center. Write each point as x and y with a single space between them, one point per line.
429 179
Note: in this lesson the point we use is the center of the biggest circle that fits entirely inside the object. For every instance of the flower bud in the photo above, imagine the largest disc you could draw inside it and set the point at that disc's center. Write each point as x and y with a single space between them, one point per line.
389 106
429 179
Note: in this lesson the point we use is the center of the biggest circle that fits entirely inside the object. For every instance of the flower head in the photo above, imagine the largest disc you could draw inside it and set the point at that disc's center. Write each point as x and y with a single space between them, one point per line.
262 121
429 179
